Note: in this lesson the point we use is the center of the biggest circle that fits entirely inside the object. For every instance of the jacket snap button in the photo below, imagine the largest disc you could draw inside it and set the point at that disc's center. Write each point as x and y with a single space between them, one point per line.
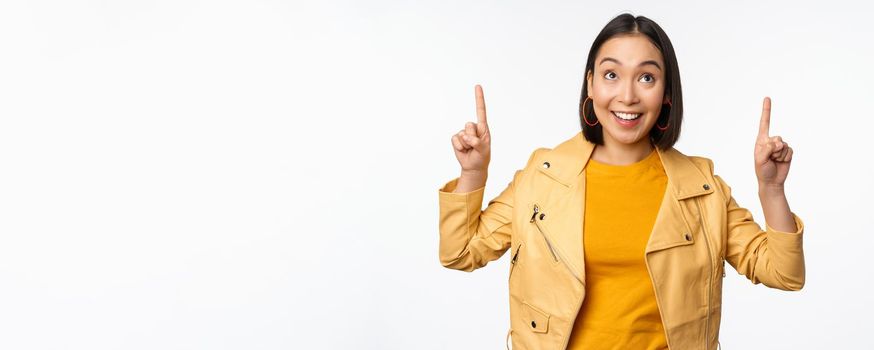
533 325
706 186
542 216
545 165
688 237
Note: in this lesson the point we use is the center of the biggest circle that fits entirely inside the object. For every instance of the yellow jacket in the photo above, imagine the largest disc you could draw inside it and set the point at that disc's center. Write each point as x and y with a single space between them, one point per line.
539 217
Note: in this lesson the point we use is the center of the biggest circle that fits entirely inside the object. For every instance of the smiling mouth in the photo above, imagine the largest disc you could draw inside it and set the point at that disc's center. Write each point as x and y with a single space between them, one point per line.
627 116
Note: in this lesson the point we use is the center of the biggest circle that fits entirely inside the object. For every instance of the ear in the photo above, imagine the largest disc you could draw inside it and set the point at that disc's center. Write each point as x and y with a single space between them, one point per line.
589 76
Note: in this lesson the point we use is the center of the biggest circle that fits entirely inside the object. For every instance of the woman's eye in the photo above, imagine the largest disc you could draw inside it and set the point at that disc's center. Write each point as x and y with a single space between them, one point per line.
647 78
610 75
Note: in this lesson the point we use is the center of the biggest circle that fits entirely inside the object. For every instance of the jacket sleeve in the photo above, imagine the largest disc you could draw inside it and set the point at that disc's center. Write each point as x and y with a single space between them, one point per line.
774 258
471 237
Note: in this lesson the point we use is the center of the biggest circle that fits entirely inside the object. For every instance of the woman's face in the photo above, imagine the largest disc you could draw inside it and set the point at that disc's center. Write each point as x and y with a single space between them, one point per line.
627 88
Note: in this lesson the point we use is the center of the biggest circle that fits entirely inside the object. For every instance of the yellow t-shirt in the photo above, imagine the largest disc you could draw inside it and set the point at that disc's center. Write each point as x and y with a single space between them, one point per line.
620 310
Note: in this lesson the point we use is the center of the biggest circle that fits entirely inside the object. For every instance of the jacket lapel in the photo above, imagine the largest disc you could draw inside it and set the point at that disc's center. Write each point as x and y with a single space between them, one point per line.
566 201
672 225
567 165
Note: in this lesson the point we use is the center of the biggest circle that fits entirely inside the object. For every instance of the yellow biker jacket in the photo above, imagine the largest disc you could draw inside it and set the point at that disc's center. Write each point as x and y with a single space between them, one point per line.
539 218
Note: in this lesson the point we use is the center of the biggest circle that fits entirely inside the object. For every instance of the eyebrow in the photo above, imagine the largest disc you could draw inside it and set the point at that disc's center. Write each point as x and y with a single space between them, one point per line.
654 63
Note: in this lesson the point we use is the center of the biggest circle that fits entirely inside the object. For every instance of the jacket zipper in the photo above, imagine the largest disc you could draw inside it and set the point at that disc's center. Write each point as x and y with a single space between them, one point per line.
535 220
513 259
710 273
510 275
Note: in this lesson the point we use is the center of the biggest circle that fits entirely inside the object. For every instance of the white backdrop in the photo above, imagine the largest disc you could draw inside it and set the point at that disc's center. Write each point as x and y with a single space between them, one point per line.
264 174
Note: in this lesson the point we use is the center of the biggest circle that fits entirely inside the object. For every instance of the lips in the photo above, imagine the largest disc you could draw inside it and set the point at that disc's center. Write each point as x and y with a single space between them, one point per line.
627 120
626 115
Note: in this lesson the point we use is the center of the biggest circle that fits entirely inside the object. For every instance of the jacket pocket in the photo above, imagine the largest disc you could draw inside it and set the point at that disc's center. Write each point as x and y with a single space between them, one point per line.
537 320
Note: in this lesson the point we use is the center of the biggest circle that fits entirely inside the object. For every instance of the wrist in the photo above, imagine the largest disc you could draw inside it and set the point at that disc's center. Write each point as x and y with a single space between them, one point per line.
474 174
770 190
470 181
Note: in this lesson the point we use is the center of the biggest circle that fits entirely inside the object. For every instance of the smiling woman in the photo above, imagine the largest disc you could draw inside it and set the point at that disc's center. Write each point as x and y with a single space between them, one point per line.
619 240
632 78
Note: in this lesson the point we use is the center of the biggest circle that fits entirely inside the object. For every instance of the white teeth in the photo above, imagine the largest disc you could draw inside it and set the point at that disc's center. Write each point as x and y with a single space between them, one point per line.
627 116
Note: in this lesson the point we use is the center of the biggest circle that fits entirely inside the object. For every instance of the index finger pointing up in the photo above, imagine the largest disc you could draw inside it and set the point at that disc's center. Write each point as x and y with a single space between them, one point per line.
765 123
480 105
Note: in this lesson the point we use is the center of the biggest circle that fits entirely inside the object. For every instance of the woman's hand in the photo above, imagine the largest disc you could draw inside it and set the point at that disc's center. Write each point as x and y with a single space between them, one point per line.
772 154
473 143
773 157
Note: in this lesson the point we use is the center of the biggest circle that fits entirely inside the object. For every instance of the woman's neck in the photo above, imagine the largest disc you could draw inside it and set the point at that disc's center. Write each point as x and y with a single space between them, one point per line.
616 153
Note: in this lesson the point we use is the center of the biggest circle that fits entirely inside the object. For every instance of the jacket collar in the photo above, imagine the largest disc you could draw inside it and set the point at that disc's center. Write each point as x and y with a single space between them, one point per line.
568 160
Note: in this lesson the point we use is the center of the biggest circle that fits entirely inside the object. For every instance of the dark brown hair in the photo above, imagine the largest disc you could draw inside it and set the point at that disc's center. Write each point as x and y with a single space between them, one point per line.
672 115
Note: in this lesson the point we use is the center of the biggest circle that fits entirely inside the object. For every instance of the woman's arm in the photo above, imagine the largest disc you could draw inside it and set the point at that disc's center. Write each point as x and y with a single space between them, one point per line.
773 256
772 158
776 209
469 237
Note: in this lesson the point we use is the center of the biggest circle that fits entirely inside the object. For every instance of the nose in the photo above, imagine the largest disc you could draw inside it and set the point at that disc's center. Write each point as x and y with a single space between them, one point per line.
629 94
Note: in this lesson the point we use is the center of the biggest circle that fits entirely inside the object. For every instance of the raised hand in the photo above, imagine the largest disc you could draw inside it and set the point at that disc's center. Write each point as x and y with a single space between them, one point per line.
772 155
473 143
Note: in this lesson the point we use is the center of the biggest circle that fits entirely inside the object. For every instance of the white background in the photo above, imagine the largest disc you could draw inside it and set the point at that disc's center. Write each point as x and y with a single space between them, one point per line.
264 174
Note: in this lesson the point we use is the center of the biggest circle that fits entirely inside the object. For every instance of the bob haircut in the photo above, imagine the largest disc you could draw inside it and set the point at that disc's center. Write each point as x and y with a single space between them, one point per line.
672 114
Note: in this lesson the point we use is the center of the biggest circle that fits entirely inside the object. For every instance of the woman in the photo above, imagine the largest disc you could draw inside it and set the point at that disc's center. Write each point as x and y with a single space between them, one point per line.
618 240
